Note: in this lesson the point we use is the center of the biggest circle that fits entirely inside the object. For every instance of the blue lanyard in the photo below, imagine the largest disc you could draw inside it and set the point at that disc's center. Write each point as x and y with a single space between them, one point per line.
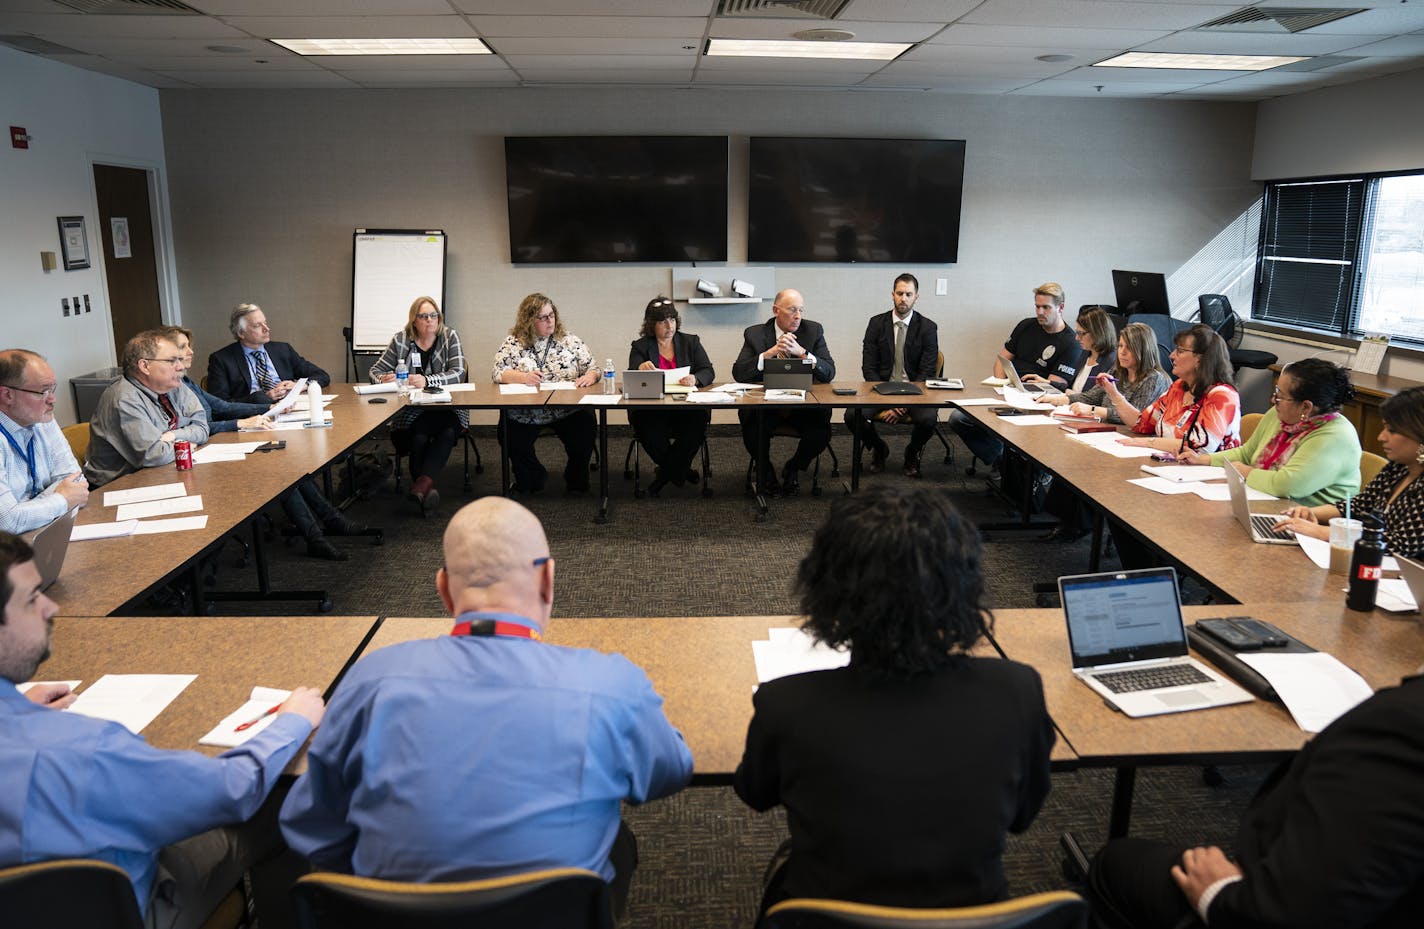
29 455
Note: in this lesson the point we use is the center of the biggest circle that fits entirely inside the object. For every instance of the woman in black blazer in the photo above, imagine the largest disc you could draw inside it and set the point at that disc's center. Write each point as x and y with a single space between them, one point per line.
671 438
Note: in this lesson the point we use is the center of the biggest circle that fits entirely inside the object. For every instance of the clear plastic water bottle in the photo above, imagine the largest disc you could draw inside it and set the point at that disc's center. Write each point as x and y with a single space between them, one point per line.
609 387
402 378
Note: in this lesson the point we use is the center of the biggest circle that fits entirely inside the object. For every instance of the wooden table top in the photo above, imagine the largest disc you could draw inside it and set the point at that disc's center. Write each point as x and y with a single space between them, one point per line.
1382 649
865 395
702 666
229 654
100 576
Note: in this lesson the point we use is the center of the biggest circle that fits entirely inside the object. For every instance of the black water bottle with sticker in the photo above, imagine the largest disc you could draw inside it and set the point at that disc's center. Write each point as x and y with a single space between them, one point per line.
1365 565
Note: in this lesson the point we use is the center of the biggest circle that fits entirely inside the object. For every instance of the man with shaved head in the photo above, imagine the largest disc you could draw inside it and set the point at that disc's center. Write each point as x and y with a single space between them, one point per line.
488 751
786 335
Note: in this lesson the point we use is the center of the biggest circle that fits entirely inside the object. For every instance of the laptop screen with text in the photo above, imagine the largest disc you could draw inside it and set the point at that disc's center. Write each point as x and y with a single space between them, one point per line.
1123 616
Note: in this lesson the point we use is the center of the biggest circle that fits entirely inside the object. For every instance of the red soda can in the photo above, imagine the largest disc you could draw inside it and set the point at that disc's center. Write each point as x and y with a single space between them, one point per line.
183 455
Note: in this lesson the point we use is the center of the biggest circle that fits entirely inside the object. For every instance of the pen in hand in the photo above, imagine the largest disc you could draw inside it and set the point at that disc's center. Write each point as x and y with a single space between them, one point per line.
257 719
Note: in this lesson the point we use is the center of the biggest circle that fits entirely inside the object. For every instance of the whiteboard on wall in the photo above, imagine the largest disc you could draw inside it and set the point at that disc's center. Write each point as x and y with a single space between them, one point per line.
389 269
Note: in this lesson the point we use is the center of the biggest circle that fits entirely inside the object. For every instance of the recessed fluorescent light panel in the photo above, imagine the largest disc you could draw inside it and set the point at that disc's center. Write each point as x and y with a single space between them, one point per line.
385 46
769 48
1197 62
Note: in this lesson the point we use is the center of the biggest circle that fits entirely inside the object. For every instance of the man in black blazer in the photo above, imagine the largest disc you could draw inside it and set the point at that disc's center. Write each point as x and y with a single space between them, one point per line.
880 360
254 369
1335 838
786 335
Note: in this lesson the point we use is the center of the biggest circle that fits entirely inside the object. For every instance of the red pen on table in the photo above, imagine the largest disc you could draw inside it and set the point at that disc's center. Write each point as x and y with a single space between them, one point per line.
257 719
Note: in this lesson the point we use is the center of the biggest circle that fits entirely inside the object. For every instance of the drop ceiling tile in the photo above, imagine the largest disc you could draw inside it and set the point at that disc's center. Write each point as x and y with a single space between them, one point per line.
127 26
914 11
790 65
948 85
780 78
1104 14
1403 46
698 8
681 76
435 78
216 62
1002 54
1187 76
460 63
1026 70
600 62
1034 37
321 8
1072 89
632 27
121 70
1245 43
316 78
727 28
195 48
354 27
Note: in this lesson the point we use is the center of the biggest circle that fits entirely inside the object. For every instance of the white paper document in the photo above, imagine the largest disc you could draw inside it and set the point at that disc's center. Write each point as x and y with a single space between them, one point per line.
1220 492
673 375
1161 485
1394 596
784 395
160 507
213 454
791 651
1108 442
290 400
945 383
710 396
134 700
140 494
1020 400
25 687
420 397
1183 474
992 381
301 417
226 735
979 401
600 399
91 531
1318 551
736 387
558 385
302 404
176 524
459 388
1315 686
389 388
1033 419
507 389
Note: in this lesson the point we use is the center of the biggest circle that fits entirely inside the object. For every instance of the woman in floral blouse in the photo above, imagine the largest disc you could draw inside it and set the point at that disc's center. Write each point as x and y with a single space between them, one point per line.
537 350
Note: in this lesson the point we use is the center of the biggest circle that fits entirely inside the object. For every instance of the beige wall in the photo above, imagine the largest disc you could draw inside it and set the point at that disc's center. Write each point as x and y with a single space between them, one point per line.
267 187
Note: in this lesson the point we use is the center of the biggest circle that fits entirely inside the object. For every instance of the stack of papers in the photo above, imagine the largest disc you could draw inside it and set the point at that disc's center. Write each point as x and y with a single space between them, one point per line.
1181 474
420 396
135 505
736 387
388 388
558 385
791 651
507 389
1108 442
226 451
600 399
710 396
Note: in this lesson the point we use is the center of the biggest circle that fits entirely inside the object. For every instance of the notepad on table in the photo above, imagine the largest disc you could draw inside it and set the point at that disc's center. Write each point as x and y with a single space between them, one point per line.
262 699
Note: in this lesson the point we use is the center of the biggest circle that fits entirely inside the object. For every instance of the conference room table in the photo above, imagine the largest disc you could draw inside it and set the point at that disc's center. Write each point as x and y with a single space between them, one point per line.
101 575
229 654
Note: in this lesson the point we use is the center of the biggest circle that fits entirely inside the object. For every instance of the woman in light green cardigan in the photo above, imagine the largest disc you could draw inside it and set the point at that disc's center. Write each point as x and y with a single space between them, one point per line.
1303 449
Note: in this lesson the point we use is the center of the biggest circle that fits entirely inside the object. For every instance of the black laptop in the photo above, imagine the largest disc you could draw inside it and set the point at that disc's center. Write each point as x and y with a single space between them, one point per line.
787 374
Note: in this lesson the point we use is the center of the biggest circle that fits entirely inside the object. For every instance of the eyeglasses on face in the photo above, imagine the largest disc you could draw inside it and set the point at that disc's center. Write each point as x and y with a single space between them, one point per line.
793 310
428 317
1179 350
544 317
46 392
1276 396
168 361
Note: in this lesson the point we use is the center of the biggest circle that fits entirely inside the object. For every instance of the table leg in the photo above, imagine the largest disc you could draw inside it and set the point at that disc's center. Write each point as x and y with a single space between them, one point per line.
855 447
503 453
264 589
758 466
602 516
1123 784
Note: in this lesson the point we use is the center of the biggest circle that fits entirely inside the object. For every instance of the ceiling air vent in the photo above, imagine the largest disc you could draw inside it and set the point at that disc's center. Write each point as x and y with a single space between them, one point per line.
1275 19
782 9
119 7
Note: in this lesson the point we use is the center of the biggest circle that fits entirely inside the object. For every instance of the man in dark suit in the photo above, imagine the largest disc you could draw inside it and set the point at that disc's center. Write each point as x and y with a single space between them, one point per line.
1335 838
899 345
254 369
786 335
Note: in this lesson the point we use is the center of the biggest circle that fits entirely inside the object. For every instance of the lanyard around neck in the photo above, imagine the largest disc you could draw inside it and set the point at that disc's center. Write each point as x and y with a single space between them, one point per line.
487 627
28 454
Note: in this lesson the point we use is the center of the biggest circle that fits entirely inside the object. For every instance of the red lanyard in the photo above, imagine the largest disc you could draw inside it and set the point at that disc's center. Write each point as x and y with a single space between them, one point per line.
495 627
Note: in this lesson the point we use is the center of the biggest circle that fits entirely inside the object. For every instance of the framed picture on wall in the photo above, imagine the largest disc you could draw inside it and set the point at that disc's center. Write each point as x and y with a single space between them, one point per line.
73 242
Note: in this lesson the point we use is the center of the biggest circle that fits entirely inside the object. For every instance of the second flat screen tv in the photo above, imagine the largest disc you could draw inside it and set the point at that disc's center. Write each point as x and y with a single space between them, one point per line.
844 200
616 198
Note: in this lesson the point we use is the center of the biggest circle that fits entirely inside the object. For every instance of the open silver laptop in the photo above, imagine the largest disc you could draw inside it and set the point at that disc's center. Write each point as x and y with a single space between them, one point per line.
786 374
1257 525
1413 574
1129 644
643 385
51 543
1017 382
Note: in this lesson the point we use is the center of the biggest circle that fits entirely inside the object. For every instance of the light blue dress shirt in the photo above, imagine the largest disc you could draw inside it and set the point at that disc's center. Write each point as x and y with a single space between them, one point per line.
29 502
461 758
76 787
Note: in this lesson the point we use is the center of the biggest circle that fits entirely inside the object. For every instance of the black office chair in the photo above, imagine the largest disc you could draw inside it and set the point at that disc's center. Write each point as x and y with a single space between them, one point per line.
545 430
633 468
467 443
785 431
69 892
1215 311
559 898
1057 909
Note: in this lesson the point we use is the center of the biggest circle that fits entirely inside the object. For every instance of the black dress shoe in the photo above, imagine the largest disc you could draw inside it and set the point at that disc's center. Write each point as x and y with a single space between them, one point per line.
912 466
769 485
1063 534
343 526
877 459
692 476
320 548
790 479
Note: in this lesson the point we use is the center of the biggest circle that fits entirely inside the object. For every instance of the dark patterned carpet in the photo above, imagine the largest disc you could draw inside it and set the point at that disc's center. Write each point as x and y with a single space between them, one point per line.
702 851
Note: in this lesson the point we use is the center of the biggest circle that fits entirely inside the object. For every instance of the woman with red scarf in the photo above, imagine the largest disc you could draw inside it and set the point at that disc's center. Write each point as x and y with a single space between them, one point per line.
1303 449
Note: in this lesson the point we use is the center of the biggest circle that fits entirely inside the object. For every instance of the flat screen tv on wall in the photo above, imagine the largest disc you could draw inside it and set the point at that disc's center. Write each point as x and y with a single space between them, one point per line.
844 200
616 198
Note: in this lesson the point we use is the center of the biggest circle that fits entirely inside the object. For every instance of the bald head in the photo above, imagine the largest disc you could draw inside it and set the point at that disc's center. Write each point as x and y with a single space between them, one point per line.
788 307
490 549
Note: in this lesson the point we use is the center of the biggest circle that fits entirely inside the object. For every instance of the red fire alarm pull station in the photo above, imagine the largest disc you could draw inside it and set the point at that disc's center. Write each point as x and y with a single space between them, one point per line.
18 137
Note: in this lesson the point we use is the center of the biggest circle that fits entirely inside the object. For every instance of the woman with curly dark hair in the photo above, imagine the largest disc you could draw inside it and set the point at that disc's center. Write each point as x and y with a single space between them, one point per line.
902 772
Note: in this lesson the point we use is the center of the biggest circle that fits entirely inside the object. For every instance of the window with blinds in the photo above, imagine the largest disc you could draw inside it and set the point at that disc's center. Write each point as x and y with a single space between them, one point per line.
1308 262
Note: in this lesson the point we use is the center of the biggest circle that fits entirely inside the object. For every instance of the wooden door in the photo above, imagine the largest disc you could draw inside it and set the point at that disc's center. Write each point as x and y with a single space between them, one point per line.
130 265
